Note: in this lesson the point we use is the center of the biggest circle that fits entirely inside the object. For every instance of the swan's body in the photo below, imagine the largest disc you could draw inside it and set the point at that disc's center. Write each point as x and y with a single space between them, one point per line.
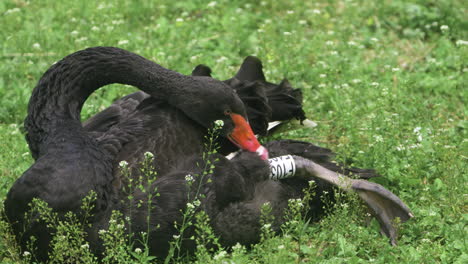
71 160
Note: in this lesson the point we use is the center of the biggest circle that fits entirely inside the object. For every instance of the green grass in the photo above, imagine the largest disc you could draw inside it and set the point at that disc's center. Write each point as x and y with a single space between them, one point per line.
385 80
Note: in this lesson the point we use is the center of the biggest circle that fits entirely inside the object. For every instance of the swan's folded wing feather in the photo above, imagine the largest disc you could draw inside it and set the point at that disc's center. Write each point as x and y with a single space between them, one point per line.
119 110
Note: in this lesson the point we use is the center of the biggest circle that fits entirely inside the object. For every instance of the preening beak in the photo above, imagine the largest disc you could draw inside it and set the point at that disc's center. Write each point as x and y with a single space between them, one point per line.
243 136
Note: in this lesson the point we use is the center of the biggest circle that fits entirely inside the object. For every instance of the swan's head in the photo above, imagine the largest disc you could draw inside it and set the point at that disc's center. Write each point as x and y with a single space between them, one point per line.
209 100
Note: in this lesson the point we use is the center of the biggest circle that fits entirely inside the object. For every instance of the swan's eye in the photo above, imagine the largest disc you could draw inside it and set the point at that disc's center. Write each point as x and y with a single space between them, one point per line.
227 112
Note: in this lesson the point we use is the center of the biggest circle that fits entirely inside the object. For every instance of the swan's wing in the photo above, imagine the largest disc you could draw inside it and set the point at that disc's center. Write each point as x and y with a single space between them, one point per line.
251 70
119 110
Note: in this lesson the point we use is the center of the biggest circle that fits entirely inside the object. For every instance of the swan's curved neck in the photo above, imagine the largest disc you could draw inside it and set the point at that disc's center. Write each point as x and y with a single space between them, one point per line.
56 102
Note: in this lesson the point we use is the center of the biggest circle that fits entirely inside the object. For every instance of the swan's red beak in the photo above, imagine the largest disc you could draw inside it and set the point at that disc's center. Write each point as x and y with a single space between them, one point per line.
243 136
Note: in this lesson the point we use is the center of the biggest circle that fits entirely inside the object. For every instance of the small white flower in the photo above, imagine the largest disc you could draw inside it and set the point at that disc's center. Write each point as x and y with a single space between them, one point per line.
316 11
176 236
286 33
190 206
461 42
322 85
122 42
120 226
138 250
345 85
352 43
290 12
417 130
334 52
444 28
212 4
221 59
82 39
329 42
267 226
302 22
36 45
102 231
395 69
123 164
117 22
74 33
94 28
219 123
188 178
149 155
322 75
378 138
268 21
179 20
197 202
356 81
222 254
10 11
384 91
237 246
26 253
281 247
374 39
374 84
85 246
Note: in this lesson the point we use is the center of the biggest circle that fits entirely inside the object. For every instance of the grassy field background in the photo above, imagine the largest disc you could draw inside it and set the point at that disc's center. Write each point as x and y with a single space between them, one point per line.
386 81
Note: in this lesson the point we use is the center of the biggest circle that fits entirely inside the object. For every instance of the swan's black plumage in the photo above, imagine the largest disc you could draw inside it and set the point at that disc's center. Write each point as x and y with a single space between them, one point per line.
72 160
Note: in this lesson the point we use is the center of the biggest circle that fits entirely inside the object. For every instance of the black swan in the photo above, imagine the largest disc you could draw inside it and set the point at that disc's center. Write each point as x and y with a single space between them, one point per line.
72 161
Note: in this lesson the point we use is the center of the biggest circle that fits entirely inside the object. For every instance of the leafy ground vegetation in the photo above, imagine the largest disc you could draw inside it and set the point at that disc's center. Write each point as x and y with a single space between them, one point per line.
386 81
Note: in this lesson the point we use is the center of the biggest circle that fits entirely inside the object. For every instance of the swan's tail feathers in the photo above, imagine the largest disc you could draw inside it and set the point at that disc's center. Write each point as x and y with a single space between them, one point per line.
251 70
384 205
201 70
285 101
